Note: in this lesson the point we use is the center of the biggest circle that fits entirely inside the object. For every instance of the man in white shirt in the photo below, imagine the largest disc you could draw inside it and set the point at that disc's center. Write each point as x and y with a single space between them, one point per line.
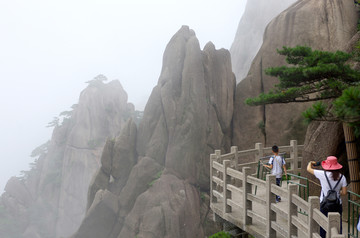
277 165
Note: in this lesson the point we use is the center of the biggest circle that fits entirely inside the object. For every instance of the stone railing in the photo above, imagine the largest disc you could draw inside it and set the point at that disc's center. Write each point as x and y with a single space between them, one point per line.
232 197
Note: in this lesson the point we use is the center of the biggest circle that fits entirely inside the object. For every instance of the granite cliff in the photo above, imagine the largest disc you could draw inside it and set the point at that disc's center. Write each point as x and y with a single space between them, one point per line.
50 200
151 180
171 204
324 25
188 115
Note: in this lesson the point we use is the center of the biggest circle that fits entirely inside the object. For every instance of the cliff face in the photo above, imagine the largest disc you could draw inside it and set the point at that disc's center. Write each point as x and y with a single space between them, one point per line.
249 35
50 200
188 115
101 113
152 180
324 25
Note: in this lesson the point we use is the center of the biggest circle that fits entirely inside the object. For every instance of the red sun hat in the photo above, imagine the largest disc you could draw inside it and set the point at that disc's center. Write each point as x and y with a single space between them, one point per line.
331 163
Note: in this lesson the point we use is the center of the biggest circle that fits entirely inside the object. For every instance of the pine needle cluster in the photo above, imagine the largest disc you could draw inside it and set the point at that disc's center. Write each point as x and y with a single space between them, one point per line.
314 75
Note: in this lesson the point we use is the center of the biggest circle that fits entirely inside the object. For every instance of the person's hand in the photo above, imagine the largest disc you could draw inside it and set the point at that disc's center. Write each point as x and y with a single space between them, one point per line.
310 168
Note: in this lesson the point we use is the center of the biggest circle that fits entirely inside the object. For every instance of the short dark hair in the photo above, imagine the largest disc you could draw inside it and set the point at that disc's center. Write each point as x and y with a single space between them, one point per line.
275 148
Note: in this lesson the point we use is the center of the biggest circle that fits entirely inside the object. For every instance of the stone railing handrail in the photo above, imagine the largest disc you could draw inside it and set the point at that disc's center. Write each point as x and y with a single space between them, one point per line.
232 198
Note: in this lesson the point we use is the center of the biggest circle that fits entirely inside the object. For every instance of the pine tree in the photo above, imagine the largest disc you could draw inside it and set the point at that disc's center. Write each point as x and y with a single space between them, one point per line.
329 79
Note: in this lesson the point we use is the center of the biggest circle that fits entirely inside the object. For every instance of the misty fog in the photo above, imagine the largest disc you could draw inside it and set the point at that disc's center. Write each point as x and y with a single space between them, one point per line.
50 49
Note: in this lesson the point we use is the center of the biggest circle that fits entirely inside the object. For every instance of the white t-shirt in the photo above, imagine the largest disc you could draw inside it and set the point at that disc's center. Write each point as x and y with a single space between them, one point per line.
324 184
277 162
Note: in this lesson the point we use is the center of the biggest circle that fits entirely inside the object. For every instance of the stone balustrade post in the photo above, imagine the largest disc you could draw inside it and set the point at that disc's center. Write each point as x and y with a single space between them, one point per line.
213 199
218 159
260 151
234 150
292 208
294 156
226 192
218 156
247 204
235 164
333 221
270 198
314 202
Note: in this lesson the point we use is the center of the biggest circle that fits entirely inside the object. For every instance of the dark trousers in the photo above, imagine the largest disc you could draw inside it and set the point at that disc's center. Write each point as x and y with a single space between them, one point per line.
322 231
278 182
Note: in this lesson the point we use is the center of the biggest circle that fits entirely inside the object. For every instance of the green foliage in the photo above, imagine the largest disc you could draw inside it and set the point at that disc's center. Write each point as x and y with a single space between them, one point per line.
356 51
317 111
315 75
54 122
202 196
42 149
66 113
61 119
26 174
347 108
261 125
157 176
98 80
221 234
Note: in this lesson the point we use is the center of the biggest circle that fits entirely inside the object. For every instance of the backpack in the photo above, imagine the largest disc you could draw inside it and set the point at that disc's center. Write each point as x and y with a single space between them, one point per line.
331 202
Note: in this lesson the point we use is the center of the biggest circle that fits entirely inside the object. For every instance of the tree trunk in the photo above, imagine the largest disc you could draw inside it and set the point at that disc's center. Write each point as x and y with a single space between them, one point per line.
352 158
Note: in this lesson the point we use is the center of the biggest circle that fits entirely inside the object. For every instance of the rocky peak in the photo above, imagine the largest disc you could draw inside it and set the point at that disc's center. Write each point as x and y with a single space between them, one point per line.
59 180
187 116
152 180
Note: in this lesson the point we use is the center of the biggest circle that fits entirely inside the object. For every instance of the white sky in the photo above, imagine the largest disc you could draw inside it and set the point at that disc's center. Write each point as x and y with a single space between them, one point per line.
49 49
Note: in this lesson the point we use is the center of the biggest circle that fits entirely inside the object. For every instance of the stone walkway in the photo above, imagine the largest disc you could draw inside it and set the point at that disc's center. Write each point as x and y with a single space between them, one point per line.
258 228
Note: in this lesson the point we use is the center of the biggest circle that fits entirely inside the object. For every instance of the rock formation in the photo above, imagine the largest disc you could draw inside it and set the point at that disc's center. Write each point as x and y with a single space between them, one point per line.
152 180
323 25
188 115
50 200
249 35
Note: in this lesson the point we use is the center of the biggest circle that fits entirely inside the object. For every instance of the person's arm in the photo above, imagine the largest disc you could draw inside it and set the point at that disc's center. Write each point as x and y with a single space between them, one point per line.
270 163
284 167
343 191
309 168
